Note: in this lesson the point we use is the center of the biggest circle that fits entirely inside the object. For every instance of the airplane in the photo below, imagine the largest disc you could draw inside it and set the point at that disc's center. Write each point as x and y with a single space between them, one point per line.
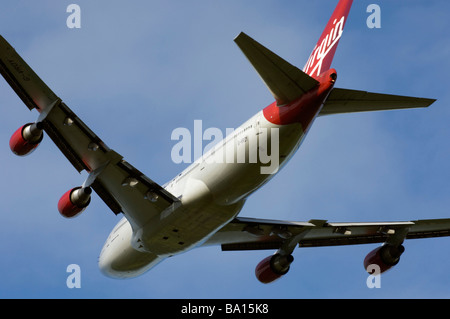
201 206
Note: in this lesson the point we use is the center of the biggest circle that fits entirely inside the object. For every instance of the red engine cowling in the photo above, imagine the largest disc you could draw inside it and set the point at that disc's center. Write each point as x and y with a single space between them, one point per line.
273 267
73 202
385 257
26 139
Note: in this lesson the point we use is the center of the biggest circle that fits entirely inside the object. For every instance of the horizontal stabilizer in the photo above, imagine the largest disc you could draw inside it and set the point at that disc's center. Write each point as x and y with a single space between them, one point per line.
350 101
285 81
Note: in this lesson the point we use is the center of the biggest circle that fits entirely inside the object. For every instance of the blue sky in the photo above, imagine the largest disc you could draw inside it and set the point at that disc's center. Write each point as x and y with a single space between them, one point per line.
137 70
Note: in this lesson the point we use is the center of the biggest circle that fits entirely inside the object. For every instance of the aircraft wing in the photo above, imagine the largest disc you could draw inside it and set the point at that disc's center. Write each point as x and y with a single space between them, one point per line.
350 101
121 186
257 234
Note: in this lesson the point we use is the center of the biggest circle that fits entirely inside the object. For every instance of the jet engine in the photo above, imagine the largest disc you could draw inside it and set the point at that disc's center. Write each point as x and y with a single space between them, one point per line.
26 139
385 257
74 201
273 267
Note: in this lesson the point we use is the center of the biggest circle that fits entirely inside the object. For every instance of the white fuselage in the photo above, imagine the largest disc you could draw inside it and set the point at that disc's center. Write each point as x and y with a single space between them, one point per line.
212 191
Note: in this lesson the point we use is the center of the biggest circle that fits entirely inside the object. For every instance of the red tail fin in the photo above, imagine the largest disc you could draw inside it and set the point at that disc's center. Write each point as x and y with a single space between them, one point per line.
323 53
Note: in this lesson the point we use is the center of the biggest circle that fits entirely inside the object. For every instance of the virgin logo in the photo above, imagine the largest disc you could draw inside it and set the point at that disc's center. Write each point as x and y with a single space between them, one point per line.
315 61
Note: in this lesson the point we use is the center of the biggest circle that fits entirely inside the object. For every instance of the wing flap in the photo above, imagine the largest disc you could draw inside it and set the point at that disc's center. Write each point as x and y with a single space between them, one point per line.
82 147
125 189
252 233
285 81
350 101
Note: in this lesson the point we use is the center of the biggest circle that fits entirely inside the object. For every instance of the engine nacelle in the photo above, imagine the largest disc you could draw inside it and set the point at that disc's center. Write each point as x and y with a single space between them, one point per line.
385 257
73 202
273 267
26 139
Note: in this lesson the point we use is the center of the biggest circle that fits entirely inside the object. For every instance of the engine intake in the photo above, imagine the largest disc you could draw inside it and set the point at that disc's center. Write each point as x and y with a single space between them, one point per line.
273 267
26 139
74 201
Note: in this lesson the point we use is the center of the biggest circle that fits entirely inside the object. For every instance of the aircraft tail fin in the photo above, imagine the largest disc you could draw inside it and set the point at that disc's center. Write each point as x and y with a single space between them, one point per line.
323 53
